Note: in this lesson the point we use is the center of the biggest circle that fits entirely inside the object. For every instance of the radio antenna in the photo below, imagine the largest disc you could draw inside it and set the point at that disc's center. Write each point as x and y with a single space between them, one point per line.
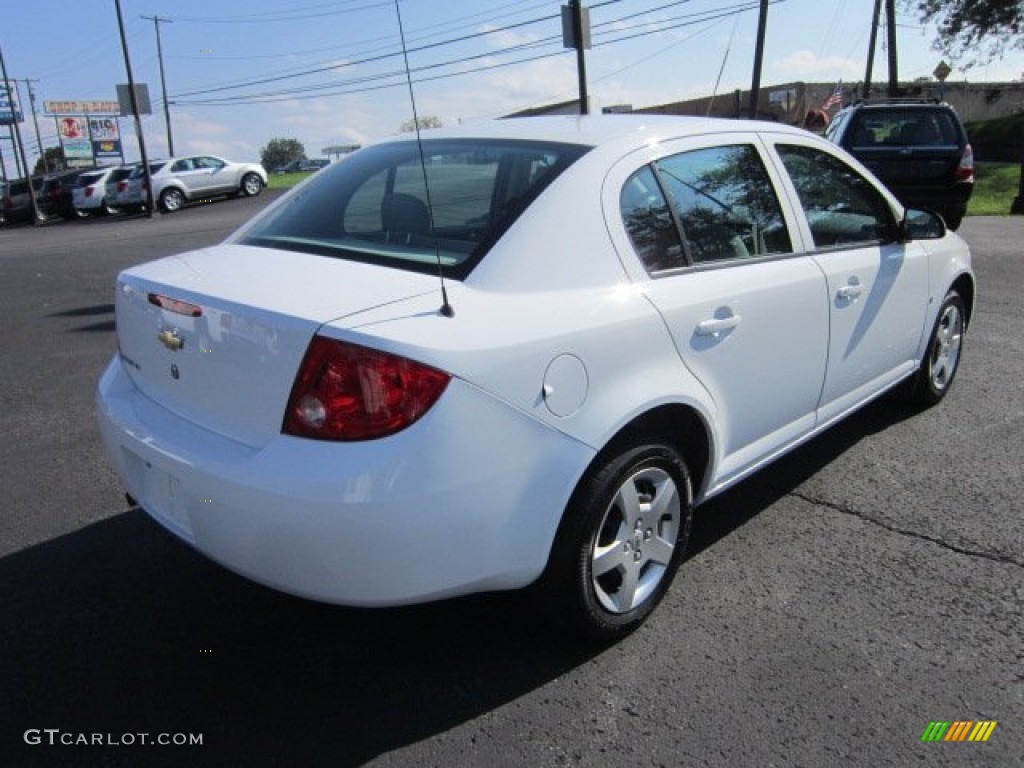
446 308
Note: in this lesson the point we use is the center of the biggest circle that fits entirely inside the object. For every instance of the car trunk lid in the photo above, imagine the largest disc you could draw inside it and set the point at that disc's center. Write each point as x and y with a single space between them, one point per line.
216 336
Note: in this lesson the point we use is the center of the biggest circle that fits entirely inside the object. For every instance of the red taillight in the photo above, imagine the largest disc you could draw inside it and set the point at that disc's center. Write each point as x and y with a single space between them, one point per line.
89 191
965 171
347 392
122 186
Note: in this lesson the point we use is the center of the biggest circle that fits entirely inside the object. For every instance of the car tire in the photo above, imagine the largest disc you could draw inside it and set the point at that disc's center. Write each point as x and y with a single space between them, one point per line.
620 542
942 357
171 200
251 185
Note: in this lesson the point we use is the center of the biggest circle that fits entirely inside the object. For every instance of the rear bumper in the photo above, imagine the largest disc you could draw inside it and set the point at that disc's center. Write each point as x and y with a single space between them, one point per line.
467 499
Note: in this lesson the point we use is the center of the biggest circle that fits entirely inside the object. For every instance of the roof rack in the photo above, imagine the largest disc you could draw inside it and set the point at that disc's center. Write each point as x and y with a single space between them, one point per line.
900 100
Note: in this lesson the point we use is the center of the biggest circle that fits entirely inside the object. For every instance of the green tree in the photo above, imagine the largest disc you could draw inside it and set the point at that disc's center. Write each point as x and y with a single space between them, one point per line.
425 122
52 160
974 31
279 152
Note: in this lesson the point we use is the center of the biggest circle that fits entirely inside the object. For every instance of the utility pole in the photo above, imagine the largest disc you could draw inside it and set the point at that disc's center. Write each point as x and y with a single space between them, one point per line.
755 85
163 82
890 34
135 112
20 147
35 121
871 49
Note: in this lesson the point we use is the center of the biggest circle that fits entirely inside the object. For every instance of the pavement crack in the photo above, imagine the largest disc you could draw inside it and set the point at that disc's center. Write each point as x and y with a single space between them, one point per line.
993 556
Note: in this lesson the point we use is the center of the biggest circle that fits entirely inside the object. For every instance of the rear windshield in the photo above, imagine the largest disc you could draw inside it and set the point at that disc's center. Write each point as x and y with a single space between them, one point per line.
374 206
904 127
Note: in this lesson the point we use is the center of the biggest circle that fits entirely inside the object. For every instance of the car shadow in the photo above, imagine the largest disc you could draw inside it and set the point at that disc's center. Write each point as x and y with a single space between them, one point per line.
733 508
118 628
100 326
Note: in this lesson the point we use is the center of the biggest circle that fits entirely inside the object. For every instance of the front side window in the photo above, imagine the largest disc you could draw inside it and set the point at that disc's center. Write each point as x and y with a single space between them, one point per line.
374 207
841 206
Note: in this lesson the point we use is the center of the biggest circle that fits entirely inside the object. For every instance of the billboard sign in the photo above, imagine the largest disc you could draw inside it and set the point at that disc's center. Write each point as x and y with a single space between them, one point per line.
94 107
71 128
103 129
77 149
107 150
9 111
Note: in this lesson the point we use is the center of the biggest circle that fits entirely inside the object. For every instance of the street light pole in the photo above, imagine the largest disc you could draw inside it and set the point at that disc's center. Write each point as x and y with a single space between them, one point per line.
163 82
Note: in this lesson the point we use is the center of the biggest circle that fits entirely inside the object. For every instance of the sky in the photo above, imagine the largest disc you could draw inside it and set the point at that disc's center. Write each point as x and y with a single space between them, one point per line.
242 72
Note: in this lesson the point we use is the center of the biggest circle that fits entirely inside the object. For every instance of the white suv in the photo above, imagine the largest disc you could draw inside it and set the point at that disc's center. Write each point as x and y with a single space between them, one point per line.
197 177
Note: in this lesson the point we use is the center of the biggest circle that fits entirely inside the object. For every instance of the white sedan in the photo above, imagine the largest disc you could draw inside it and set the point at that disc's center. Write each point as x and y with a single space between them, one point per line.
372 395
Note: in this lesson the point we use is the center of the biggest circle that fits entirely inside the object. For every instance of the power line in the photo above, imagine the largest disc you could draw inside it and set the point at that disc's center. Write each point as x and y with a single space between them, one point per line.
380 57
346 87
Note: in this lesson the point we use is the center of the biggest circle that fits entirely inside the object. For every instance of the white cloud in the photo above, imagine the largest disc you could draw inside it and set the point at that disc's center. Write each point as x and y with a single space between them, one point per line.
807 65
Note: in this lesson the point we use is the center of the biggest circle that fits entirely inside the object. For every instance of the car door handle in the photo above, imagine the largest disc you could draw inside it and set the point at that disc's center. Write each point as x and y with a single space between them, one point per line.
850 291
717 325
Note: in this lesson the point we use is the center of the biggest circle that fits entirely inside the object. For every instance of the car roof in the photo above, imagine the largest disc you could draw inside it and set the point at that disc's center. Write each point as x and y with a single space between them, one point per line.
598 130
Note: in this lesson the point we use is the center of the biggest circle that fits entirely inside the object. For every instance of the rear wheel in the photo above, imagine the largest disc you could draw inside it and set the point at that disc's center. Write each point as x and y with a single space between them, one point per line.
171 200
252 185
620 543
942 358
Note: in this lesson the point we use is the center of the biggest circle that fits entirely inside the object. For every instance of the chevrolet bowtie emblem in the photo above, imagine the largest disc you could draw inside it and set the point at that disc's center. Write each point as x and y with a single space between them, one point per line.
171 340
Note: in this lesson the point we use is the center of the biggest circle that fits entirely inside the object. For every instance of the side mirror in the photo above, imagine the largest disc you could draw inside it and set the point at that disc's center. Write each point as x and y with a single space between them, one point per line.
919 224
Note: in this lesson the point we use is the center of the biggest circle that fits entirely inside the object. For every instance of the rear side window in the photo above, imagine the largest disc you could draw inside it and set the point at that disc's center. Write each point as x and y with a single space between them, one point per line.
721 197
375 207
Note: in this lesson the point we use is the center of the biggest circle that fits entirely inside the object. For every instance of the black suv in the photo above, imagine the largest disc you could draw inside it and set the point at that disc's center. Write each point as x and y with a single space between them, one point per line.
919 149
55 197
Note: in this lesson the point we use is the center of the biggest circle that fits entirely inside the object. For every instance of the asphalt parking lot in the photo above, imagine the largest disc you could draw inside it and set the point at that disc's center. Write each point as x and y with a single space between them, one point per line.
831 607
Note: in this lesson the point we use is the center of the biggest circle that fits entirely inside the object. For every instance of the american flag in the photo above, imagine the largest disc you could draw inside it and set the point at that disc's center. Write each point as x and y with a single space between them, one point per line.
835 98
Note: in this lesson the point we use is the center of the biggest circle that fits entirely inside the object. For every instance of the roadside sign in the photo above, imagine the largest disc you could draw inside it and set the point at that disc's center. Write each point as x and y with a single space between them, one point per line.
93 107
9 111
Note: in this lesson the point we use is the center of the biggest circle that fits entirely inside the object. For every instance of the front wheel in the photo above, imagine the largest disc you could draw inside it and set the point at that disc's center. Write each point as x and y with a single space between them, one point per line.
252 185
620 543
942 358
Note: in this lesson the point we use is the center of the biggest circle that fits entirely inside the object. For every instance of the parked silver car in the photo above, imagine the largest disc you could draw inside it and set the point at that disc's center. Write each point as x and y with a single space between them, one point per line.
180 180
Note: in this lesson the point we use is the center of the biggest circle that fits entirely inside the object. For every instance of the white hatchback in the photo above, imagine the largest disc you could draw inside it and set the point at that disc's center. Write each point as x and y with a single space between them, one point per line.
520 356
